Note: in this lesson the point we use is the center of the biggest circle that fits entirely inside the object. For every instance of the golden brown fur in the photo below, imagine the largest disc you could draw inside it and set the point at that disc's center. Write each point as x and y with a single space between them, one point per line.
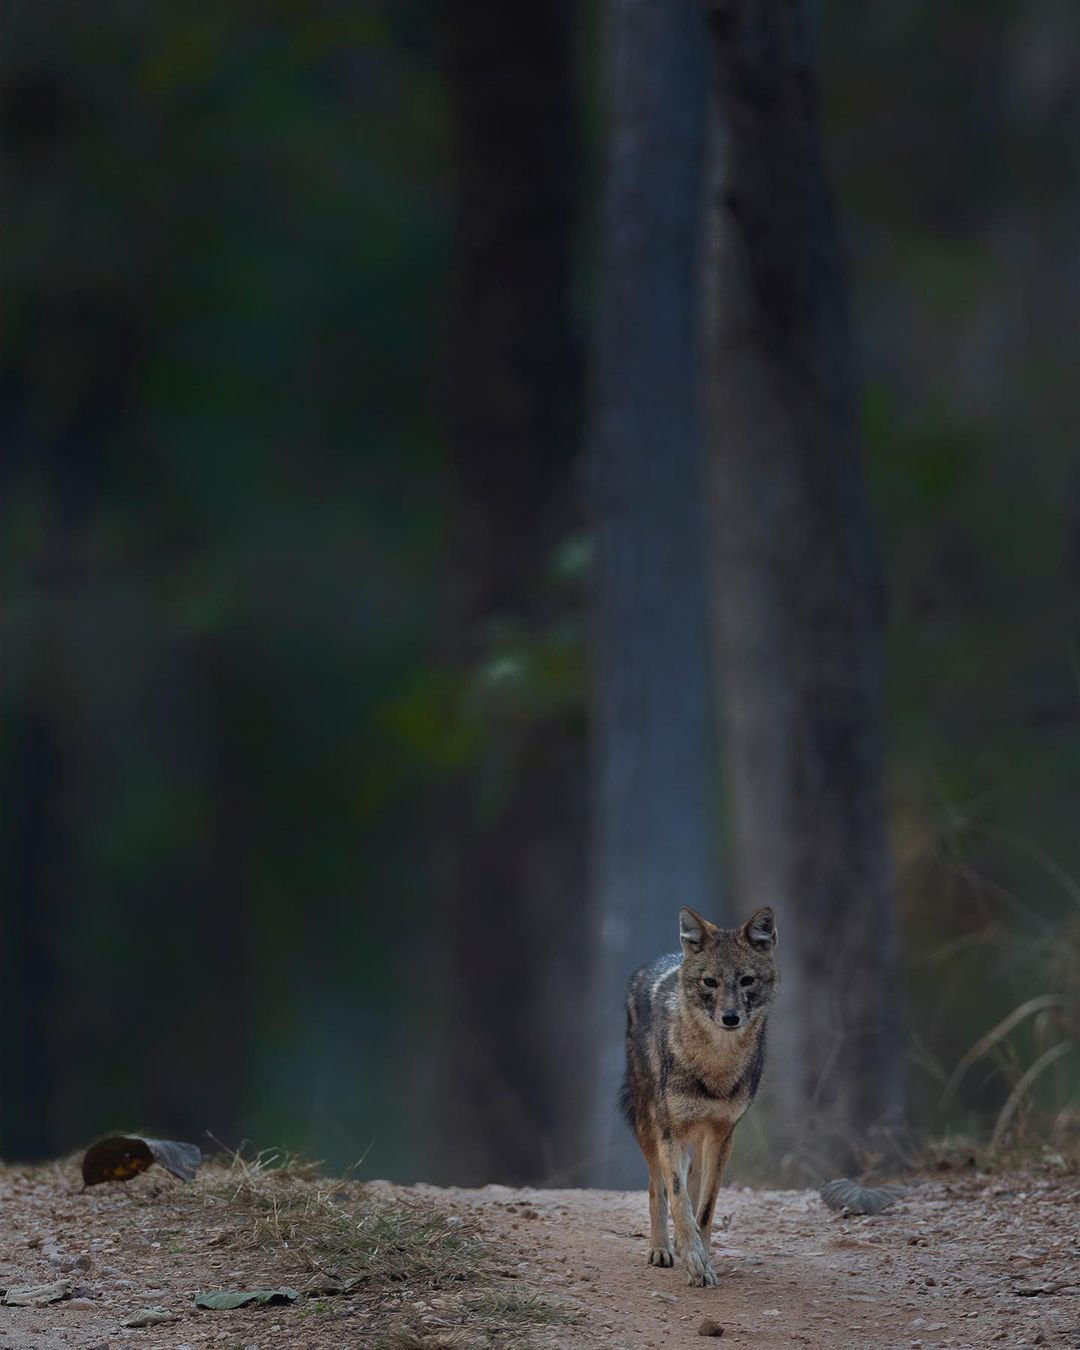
695 1050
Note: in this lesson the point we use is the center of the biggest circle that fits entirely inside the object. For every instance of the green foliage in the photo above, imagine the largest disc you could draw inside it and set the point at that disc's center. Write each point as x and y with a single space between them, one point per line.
219 532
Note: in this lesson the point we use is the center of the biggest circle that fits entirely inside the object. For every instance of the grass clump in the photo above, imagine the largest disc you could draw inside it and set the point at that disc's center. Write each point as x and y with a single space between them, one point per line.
510 1308
403 1338
1048 1066
492 1319
336 1228
404 1274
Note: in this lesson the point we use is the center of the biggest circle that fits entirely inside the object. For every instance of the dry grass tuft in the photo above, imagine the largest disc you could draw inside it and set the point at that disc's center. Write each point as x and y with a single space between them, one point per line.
492 1319
1053 1019
400 1338
336 1228
384 1252
508 1308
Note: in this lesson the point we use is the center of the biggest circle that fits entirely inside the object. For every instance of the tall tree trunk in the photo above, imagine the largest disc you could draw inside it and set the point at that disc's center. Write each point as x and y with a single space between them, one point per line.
511 891
800 595
653 728
31 794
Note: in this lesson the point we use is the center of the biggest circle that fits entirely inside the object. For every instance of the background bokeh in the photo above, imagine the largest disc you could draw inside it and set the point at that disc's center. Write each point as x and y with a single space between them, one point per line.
233 710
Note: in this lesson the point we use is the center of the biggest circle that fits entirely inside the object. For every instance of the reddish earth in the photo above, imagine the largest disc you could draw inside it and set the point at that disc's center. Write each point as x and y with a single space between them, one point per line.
963 1261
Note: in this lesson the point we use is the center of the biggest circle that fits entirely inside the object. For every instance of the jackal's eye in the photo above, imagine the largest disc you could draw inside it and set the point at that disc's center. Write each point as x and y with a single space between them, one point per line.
709 982
746 981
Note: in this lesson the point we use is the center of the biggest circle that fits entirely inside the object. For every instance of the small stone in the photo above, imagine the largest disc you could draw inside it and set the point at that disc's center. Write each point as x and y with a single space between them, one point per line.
70 1263
81 1304
709 1327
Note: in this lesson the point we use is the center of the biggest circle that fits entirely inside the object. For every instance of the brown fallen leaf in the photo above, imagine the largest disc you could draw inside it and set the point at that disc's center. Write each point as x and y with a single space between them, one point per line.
846 1243
148 1317
123 1156
844 1194
36 1295
227 1299
333 1287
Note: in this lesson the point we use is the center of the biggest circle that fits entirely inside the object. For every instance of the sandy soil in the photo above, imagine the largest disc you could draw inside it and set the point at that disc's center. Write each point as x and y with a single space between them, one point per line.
964 1261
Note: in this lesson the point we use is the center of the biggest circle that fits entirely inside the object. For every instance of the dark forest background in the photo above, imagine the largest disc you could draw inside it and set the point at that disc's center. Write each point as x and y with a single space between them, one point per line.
464 492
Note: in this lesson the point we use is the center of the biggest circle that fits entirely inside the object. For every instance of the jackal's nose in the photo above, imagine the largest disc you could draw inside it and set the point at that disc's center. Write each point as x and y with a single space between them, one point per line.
731 1018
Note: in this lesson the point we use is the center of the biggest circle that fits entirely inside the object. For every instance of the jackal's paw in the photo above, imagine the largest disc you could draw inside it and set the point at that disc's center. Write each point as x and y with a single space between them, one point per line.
699 1270
660 1256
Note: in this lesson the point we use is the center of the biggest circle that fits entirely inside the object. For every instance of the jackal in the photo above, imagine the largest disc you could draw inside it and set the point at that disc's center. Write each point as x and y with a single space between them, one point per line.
695 1049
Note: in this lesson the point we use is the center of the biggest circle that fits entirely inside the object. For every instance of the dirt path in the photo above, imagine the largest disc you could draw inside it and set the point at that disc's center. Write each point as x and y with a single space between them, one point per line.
968 1264
964 1261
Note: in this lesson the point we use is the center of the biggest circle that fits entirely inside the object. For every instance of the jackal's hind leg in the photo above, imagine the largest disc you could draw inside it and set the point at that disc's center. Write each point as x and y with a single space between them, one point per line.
659 1247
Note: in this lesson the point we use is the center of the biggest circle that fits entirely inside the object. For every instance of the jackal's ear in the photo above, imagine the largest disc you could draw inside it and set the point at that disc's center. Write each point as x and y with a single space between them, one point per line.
760 929
694 931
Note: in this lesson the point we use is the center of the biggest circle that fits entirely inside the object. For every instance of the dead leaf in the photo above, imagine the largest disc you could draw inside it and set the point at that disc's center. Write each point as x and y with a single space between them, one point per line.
846 1195
332 1287
148 1317
224 1299
123 1156
35 1295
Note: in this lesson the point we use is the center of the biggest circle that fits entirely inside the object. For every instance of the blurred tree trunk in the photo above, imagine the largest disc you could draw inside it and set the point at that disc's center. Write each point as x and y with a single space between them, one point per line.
511 885
801 608
31 796
653 726
42 764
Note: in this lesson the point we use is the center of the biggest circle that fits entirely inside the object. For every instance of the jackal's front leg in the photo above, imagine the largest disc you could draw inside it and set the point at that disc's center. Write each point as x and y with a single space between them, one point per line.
688 1243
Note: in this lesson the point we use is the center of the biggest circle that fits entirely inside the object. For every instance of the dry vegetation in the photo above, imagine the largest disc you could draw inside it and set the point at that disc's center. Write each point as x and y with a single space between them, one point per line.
979 1256
423 1276
373 1265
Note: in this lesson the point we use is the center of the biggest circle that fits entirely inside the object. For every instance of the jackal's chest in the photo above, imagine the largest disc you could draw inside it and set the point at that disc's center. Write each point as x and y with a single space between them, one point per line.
715 1082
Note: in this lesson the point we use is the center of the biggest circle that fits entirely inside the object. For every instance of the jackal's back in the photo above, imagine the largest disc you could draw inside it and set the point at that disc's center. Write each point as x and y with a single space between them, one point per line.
650 1006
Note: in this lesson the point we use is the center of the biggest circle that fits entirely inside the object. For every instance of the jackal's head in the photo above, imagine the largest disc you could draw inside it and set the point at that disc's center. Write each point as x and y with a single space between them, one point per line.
729 974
